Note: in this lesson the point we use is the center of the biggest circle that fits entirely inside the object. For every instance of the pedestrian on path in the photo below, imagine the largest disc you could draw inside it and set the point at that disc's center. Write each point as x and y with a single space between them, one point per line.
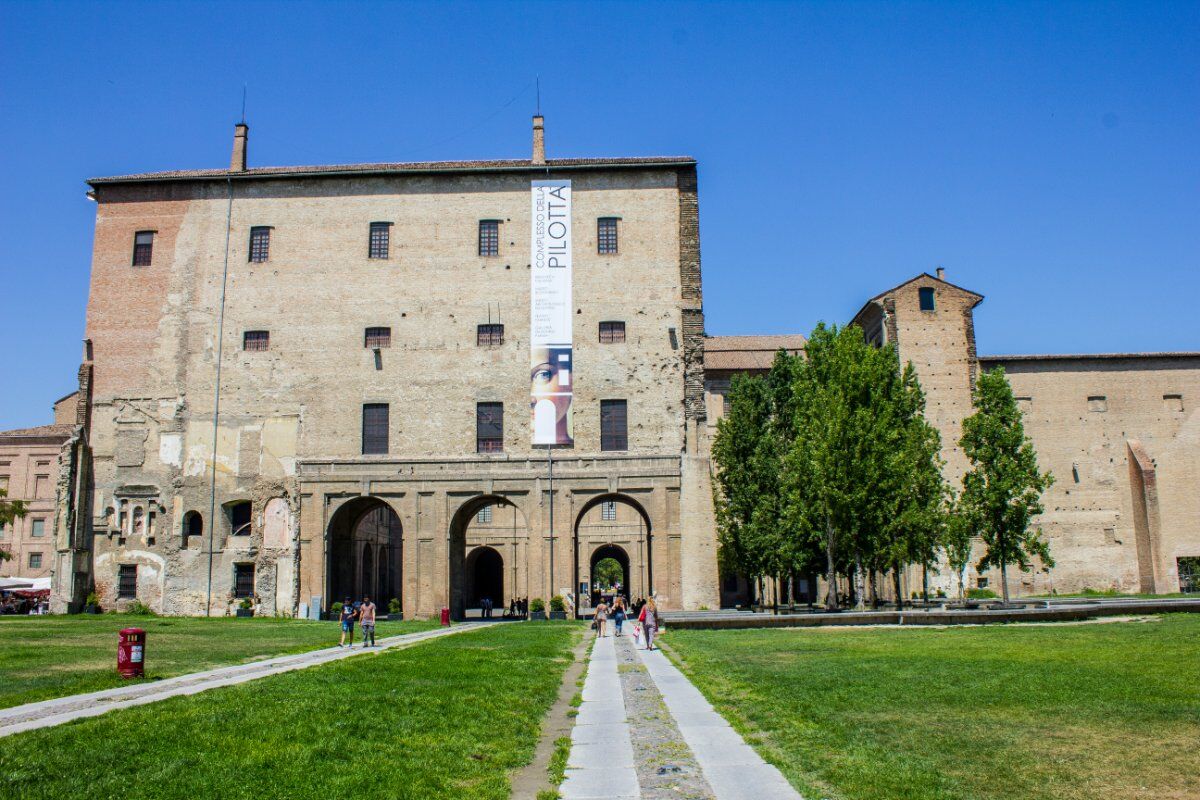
366 616
618 613
649 620
601 617
347 620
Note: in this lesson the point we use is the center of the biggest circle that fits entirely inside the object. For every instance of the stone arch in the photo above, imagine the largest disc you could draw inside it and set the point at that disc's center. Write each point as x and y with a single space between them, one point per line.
484 577
604 552
364 542
629 530
193 527
515 528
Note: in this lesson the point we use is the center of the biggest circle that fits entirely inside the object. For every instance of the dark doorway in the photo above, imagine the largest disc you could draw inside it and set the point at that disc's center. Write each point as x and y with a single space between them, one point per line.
365 548
485 578
603 561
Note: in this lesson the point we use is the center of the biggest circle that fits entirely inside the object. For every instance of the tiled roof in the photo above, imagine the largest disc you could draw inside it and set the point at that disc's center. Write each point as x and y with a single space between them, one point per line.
748 353
1090 356
40 431
500 165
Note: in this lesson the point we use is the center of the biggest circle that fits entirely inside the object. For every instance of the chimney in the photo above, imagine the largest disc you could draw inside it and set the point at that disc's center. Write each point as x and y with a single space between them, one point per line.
539 140
941 273
237 162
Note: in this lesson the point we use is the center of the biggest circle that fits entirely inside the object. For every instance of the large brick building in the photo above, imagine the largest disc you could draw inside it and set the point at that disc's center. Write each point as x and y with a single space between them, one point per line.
301 383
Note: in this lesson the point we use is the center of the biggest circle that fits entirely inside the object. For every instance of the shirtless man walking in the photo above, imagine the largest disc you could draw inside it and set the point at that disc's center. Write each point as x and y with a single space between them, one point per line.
366 618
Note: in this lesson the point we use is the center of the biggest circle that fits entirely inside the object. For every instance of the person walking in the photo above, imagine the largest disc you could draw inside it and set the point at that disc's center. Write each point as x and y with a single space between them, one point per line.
601 617
347 620
649 620
366 618
618 614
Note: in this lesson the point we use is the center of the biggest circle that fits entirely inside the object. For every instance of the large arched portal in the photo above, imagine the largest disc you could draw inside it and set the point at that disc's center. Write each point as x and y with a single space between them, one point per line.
613 526
488 541
609 572
365 552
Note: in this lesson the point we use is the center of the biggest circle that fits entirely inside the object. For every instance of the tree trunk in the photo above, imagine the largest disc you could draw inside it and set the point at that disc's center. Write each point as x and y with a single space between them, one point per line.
873 575
899 596
831 601
860 595
1004 579
925 582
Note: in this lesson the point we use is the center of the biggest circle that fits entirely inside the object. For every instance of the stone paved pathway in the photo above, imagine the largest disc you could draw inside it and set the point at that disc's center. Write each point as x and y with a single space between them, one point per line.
644 731
64 709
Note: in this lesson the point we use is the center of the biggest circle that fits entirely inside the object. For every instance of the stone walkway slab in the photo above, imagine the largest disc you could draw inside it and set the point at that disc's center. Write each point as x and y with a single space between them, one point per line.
600 764
47 713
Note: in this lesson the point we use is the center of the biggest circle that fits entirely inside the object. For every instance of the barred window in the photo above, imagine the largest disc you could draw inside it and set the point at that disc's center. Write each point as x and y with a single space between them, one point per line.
243 580
485 515
608 510
127 581
380 242
489 335
256 340
35 560
375 429
489 237
489 427
613 425
612 332
377 337
606 236
143 248
260 243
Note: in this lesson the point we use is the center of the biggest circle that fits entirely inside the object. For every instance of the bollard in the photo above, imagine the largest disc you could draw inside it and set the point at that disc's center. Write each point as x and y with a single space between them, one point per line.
131 653
446 617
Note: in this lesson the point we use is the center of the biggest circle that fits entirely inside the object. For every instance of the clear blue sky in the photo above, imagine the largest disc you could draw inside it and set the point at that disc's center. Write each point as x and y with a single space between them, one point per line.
1047 155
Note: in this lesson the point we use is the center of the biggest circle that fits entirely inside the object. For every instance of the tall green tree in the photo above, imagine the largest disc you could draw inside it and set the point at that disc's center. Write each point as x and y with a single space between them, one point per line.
10 510
1003 490
957 544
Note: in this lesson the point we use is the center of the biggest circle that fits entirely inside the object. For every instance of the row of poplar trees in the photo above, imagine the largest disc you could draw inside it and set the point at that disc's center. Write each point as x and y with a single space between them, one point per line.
827 464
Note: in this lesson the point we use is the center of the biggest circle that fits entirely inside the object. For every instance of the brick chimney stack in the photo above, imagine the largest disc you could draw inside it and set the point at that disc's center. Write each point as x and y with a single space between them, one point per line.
539 140
237 162
941 273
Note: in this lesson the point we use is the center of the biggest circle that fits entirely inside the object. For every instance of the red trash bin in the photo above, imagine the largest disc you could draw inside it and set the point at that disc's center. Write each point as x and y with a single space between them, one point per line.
446 616
131 653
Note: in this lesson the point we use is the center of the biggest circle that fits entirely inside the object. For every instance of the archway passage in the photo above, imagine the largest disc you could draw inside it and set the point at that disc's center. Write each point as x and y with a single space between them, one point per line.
485 579
609 573
365 553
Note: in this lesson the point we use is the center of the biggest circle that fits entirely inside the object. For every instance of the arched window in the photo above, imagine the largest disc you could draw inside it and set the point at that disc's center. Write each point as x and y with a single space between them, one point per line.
193 525
239 518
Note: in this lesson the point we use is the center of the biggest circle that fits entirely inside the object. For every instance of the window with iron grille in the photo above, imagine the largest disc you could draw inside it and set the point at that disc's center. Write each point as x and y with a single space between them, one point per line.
489 237
375 429
377 337
612 332
35 560
243 580
485 515
608 510
380 242
256 340
127 581
260 243
489 335
143 248
613 425
489 427
606 235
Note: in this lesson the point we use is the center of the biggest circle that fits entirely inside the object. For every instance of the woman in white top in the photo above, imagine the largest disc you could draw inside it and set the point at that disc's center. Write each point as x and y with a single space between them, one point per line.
601 617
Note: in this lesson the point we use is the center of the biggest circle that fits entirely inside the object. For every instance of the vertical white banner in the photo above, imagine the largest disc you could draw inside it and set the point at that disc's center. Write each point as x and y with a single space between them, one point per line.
550 313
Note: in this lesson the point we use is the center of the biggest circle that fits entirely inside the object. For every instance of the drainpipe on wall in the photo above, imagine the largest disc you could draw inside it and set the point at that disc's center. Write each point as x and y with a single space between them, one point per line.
212 506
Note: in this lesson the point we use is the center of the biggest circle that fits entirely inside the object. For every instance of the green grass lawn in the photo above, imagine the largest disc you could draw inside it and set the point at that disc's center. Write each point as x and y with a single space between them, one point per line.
1059 712
449 718
53 656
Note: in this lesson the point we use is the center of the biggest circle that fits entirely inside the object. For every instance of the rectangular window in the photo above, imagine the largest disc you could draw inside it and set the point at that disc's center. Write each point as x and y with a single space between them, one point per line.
37 528
489 237
375 429
377 337
35 560
1173 402
243 580
489 335
41 486
143 248
380 242
485 515
608 510
1097 402
926 296
127 581
256 340
489 427
606 236
612 332
260 243
613 425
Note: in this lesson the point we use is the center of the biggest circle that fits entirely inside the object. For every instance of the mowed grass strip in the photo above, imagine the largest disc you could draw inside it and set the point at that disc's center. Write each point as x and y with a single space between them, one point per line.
449 718
1062 712
53 656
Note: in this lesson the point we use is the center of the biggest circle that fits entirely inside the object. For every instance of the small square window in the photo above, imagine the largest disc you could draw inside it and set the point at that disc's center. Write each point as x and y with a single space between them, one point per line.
489 335
1173 402
485 515
1097 402
256 340
925 294
606 236
260 243
981 582
243 580
612 332
35 560
380 240
377 337
608 510
143 248
127 581
489 237
37 528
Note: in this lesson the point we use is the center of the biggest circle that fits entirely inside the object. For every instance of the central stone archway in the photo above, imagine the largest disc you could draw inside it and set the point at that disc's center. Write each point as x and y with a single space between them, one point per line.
616 526
488 536
365 553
